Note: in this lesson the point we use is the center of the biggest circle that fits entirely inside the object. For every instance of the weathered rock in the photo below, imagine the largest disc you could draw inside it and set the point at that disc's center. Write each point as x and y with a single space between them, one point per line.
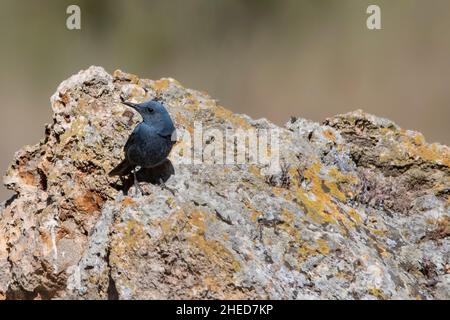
360 209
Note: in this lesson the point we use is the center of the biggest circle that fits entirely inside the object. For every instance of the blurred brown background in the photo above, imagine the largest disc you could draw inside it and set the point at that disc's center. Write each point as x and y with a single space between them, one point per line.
266 58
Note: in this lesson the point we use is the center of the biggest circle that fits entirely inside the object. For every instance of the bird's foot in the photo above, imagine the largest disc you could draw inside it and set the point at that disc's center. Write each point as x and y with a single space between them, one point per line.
164 186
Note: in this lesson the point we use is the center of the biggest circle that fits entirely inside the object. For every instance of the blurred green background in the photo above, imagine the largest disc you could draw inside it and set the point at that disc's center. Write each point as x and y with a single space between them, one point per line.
273 59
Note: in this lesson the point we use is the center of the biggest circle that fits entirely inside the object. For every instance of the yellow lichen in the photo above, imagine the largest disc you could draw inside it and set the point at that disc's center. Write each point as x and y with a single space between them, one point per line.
419 139
323 246
305 251
378 232
76 129
161 84
382 251
213 249
171 203
288 225
132 78
254 170
355 216
318 202
236 120
131 233
377 293
254 216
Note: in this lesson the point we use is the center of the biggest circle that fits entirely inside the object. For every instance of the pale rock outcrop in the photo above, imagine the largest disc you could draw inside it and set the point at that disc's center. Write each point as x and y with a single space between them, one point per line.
360 209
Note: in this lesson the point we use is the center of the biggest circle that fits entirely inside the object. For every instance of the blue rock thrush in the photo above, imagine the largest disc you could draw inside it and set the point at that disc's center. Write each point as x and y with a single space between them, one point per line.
150 142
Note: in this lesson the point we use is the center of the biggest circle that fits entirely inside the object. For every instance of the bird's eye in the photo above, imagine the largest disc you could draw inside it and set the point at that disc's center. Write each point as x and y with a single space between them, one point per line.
150 110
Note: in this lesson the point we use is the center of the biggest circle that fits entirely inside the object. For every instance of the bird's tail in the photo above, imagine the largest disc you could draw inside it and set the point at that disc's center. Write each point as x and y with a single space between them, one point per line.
124 168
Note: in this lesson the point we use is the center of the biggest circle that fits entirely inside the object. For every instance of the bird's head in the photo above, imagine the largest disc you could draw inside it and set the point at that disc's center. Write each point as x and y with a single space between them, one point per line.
152 112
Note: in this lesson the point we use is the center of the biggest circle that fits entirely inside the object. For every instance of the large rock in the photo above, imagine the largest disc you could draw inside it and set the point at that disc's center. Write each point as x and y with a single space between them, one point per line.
359 209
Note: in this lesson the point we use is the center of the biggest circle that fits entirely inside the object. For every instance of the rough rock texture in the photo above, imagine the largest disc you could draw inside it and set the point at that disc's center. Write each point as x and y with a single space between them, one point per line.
359 211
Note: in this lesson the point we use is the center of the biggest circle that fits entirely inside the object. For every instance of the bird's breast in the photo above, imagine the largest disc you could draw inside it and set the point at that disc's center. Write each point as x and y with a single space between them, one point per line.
149 149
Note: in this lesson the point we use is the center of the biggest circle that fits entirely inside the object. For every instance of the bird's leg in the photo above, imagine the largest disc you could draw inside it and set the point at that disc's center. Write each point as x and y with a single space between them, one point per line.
136 182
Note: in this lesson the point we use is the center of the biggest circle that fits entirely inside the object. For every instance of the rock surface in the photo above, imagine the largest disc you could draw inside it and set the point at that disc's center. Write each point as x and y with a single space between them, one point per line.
360 209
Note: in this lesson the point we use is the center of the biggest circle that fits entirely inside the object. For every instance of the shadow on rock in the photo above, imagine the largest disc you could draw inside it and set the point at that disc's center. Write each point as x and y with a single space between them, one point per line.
156 176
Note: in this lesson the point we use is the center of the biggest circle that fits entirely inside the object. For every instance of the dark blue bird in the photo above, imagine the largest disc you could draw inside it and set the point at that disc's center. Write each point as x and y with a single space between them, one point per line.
150 142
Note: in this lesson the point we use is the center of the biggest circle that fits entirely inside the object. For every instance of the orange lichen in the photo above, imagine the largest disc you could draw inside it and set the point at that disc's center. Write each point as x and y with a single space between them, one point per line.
27 177
89 202
212 284
127 201
413 146
64 98
431 153
329 135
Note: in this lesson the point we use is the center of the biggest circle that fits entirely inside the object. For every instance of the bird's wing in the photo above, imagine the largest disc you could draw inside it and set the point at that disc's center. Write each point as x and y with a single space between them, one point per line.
122 169
131 139
166 132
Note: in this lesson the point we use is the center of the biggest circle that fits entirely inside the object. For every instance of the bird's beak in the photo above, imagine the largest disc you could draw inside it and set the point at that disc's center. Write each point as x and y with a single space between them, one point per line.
135 106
